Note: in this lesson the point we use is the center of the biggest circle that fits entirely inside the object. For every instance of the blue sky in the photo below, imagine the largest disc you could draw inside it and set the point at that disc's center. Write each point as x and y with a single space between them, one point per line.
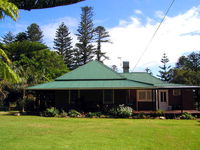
131 23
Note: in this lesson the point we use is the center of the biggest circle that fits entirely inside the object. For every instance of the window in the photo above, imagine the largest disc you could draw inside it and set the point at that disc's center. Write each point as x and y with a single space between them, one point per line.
176 92
163 96
108 96
144 95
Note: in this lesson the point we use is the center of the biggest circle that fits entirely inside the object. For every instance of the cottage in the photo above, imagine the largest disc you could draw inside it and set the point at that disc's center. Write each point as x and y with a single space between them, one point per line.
94 85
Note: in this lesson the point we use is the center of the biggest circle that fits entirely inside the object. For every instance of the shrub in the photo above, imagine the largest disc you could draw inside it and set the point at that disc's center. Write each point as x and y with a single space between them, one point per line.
159 113
93 114
63 114
121 111
73 113
141 116
50 112
186 115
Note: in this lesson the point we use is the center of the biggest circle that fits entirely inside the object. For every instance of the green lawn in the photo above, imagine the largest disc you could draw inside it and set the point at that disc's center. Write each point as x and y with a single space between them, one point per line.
35 133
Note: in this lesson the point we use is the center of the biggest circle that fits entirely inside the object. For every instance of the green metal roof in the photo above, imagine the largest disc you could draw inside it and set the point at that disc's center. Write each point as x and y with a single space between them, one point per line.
95 75
112 84
93 70
143 77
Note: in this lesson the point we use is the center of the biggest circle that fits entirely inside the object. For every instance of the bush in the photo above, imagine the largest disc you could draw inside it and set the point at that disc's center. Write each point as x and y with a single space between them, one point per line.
186 115
159 113
93 114
50 112
73 113
121 111
141 116
63 114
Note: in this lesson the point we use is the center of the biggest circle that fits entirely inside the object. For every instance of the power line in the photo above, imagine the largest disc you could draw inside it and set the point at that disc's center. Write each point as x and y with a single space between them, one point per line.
154 34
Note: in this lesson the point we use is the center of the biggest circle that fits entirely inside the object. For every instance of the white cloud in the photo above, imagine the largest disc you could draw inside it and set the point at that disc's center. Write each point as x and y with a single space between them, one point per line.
137 11
159 14
49 30
177 35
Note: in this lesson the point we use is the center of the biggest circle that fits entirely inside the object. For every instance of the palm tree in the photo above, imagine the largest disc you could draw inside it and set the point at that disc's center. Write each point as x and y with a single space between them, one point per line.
40 4
8 9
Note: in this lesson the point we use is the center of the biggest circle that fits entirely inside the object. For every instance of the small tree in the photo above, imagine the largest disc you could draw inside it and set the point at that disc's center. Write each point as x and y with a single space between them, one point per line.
8 38
86 36
62 43
101 37
148 71
34 33
165 69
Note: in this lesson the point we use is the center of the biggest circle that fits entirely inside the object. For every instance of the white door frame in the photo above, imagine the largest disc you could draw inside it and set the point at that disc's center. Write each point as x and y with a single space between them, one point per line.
163 101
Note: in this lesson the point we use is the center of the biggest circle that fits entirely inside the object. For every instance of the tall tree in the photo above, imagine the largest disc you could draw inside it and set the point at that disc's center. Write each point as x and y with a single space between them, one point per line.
21 36
63 44
8 38
34 33
86 35
101 37
187 70
165 69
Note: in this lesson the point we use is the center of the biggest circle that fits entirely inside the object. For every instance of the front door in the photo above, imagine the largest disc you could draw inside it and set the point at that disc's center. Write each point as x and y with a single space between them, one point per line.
163 99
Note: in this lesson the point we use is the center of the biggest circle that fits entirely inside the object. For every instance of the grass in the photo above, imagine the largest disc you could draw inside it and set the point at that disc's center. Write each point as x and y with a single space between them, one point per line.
39 133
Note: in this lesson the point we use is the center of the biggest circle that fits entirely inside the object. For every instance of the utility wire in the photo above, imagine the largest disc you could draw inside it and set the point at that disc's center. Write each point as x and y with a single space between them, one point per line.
154 34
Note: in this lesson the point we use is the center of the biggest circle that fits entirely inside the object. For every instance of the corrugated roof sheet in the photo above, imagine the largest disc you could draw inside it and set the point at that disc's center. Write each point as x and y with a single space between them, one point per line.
142 77
91 71
113 84
95 75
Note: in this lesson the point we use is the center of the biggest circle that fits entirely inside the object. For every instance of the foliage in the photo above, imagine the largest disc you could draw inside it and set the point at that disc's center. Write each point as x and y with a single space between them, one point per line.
63 114
8 38
34 33
42 66
50 112
190 62
10 93
27 103
35 4
73 113
101 37
121 111
21 36
62 43
187 116
7 8
85 36
6 73
93 114
140 116
187 70
15 49
165 69
159 113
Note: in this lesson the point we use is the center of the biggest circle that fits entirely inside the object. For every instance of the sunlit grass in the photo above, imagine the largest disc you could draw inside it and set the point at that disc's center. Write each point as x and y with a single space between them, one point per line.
35 133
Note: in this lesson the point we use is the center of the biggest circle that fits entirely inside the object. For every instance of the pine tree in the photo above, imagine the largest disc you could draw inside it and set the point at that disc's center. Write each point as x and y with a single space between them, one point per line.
34 33
8 38
62 43
21 36
165 69
86 35
101 37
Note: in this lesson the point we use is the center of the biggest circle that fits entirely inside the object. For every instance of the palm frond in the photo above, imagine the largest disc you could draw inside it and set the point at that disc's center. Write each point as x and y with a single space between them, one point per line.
4 56
8 9
7 74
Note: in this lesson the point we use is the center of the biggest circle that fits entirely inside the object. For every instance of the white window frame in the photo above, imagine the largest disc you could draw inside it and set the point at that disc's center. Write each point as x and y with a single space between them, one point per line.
146 98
